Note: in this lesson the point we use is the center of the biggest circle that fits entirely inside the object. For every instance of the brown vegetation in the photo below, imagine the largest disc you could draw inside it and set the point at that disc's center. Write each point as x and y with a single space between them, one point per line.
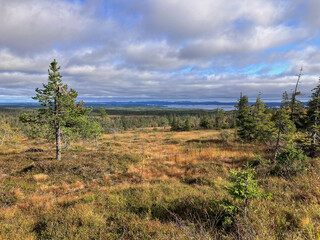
151 184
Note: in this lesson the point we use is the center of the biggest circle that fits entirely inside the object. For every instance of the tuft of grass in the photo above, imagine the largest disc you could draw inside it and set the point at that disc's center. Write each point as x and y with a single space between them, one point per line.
40 177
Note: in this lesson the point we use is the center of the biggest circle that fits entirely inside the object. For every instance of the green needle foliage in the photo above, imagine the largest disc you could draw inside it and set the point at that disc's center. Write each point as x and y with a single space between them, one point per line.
313 121
291 161
285 127
254 122
59 112
244 187
244 119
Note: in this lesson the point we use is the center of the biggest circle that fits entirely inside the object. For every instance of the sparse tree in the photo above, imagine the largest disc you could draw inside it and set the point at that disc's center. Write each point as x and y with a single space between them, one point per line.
59 109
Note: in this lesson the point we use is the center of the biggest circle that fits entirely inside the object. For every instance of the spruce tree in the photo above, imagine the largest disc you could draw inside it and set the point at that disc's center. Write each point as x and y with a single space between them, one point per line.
244 119
263 128
59 109
254 123
313 118
285 127
187 125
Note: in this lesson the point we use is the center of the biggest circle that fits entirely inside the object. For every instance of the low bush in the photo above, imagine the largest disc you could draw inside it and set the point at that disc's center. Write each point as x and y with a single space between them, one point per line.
290 161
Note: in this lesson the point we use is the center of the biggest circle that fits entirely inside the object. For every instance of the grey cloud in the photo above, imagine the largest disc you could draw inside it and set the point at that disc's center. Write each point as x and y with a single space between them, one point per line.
183 19
156 48
36 25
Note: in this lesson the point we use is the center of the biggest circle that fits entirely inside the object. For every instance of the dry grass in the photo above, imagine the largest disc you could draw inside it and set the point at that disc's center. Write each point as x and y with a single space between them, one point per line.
126 188
40 177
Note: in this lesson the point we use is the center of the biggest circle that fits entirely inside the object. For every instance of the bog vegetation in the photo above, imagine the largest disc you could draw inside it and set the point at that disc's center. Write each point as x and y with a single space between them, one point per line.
70 172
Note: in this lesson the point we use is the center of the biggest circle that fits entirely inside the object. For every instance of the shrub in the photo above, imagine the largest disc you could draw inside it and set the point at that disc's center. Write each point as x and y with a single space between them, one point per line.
225 136
290 161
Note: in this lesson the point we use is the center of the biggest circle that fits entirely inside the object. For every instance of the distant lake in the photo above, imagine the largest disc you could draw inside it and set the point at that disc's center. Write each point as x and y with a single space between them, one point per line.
227 106
205 107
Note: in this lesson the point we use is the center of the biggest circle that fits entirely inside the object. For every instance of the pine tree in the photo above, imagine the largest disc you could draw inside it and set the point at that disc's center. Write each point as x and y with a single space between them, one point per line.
59 108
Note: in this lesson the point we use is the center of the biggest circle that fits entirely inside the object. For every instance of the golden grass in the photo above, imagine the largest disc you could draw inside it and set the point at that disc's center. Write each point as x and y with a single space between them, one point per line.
40 177
173 166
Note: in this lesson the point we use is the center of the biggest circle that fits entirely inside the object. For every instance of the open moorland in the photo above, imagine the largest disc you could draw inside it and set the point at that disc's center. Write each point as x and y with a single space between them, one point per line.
152 183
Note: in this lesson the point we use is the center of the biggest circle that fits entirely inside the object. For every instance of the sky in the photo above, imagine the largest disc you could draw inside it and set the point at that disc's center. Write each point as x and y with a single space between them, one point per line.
117 50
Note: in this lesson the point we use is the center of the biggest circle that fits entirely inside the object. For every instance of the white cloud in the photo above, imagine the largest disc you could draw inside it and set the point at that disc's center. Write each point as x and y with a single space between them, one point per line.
32 25
182 19
158 48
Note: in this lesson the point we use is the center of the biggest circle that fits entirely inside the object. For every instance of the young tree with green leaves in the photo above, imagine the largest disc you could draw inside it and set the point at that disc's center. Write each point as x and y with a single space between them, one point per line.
59 107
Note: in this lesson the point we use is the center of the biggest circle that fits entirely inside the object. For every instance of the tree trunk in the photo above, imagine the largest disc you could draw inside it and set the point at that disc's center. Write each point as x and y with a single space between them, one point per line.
294 95
57 123
58 142
277 145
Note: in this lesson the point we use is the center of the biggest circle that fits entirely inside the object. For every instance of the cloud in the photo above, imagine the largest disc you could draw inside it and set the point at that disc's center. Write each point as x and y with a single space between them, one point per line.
160 49
181 19
32 25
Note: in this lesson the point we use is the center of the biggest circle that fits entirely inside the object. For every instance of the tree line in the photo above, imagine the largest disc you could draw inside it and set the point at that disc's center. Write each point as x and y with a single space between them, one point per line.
64 119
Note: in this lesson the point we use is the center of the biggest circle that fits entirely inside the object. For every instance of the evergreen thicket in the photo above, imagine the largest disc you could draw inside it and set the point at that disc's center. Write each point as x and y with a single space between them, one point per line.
291 123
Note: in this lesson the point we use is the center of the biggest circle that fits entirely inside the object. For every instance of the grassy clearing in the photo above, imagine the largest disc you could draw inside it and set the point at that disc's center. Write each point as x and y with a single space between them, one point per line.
152 184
